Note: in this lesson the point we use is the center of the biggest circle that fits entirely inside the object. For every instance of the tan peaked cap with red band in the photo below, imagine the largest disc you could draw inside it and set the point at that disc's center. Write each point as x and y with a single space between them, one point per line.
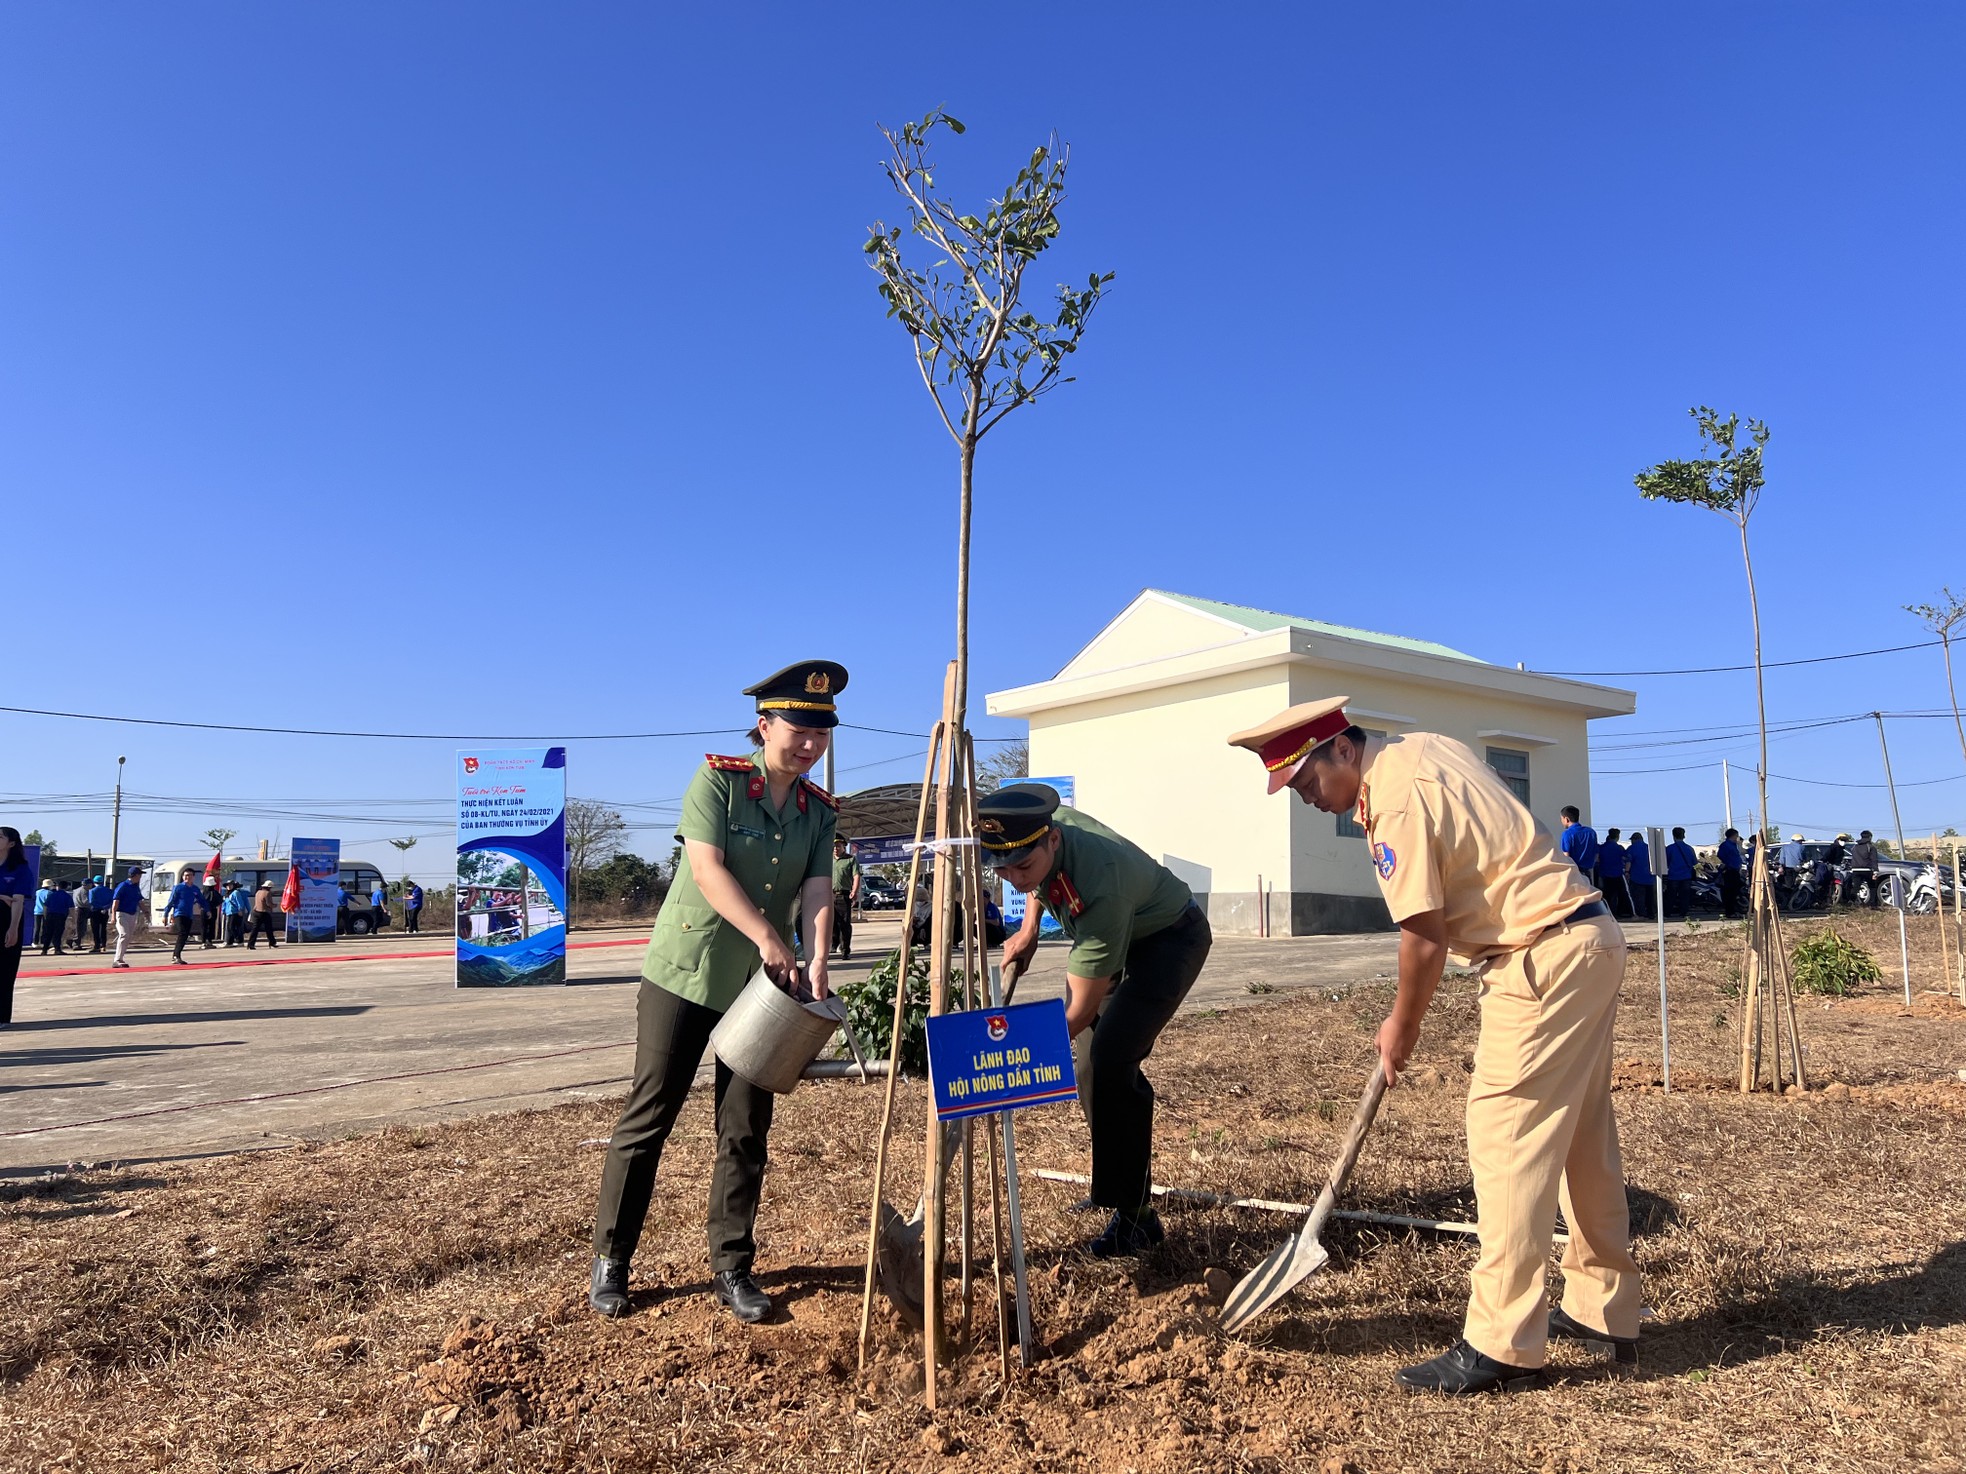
1288 738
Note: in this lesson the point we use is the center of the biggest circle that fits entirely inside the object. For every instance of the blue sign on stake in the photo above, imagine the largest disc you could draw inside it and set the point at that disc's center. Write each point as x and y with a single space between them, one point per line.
1000 1059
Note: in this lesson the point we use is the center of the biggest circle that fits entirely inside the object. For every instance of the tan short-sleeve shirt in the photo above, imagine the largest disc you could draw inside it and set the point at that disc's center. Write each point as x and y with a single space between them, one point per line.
1445 834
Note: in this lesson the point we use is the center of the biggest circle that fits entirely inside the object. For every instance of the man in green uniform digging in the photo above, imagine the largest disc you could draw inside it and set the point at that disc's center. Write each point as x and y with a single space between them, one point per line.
1138 944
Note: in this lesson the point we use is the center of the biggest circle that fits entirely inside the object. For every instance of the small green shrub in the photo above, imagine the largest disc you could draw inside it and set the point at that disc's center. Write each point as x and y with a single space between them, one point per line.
870 1011
1828 962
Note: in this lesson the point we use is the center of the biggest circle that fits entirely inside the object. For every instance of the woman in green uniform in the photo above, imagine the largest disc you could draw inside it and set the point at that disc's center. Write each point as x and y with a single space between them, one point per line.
757 839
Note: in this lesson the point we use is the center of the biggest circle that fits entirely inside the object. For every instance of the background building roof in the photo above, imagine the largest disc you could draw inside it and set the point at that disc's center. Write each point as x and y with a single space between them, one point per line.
1266 619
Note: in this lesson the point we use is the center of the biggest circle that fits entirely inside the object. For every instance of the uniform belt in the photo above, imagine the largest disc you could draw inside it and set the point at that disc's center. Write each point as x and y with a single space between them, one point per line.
1589 911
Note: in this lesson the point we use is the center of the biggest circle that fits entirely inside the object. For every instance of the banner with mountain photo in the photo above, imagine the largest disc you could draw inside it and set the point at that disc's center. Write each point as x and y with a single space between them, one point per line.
511 867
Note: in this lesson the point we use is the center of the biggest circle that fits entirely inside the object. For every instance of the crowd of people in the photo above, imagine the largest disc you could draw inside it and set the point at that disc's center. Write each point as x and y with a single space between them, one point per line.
1623 871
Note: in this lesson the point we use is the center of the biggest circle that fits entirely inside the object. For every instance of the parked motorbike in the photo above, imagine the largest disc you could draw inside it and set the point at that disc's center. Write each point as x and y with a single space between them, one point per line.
1818 887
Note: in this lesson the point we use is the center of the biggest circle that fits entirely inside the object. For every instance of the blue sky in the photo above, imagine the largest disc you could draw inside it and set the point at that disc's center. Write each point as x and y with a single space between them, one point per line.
536 343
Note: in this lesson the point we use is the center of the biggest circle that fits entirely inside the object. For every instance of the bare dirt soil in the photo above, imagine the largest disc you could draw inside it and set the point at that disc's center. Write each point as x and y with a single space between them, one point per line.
414 1299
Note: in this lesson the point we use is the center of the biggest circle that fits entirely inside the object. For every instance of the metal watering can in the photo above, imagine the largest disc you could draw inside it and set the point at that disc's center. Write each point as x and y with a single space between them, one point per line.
769 1035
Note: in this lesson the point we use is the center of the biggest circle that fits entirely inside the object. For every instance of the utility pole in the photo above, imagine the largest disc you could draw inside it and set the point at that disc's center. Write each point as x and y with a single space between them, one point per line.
831 742
1726 793
116 822
1896 818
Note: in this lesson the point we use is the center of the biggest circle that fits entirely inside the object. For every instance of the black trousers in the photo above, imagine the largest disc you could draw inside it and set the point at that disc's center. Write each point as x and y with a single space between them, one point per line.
184 926
262 926
9 970
1730 891
843 924
235 929
1116 1096
1677 892
411 916
1643 894
671 1034
99 929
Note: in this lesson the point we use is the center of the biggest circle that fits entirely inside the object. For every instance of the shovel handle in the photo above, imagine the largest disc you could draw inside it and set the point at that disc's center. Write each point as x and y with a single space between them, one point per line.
1012 976
1341 1170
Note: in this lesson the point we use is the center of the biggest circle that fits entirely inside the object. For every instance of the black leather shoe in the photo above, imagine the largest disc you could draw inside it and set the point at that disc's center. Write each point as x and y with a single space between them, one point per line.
740 1292
1624 1349
1128 1235
1461 1371
607 1289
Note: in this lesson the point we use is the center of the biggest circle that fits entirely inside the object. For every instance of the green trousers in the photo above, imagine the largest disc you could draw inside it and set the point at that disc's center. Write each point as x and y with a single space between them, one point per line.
671 1034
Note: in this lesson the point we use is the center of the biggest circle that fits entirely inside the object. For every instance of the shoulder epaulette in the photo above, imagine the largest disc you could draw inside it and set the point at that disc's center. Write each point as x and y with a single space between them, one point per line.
819 793
728 764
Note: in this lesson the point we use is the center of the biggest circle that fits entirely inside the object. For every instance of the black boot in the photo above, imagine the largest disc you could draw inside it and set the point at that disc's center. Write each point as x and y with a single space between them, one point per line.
740 1292
1624 1349
1127 1235
607 1288
1462 1370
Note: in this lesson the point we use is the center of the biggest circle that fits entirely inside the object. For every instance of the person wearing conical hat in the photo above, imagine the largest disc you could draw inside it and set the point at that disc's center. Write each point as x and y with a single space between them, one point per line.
1138 944
757 841
1466 870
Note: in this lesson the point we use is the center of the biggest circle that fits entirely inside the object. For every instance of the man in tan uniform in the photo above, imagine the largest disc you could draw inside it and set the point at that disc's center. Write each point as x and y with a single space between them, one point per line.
1465 869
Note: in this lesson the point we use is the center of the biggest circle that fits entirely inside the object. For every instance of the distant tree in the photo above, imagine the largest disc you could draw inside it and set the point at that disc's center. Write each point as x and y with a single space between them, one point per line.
217 839
403 848
1730 482
595 834
1942 619
1010 763
33 836
980 352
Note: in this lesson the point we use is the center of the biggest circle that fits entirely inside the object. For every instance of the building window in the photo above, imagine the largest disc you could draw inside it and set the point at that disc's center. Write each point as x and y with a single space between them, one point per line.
1347 827
1513 768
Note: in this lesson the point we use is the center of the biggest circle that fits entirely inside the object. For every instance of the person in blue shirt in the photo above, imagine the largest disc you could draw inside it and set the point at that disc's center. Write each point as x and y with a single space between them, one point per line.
1579 841
412 907
342 904
126 914
56 908
16 903
1638 874
41 914
186 905
1611 876
379 908
100 896
1730 874
234 907
1679 874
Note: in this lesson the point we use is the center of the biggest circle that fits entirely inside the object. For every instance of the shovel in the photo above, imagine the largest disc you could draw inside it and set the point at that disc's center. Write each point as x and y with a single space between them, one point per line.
898 1258
1303 1254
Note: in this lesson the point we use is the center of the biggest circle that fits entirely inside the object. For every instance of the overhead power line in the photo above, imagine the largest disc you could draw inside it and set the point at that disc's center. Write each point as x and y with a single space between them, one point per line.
475 737
1719 670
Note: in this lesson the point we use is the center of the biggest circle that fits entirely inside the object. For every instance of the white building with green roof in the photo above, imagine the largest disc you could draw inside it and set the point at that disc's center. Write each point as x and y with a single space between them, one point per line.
1140 719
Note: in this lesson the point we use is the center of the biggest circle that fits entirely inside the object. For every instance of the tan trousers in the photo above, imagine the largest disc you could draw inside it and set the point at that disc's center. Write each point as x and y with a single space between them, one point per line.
1540 1133
129 926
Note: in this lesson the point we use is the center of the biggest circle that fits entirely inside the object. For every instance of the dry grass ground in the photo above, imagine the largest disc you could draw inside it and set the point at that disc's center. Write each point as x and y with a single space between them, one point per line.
414 1299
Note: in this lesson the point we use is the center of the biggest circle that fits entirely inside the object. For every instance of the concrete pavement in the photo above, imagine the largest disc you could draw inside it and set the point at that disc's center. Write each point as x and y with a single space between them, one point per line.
158 1063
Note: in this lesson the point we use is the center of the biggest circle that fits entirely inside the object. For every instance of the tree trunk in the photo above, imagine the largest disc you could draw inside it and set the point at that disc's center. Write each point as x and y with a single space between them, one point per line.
1945 642
962 567
1757 978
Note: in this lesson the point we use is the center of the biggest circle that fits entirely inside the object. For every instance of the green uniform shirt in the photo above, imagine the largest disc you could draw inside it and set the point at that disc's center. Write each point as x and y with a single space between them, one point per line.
844 870
1107 893
694 952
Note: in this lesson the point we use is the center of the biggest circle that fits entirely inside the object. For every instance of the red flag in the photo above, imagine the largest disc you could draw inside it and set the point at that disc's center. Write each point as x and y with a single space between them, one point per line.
290 897
211 869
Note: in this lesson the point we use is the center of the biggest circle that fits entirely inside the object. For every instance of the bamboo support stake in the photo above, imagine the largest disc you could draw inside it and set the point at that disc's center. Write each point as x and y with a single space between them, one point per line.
972 890
996 1253
1784 1000
1751 982
935 1229
935 742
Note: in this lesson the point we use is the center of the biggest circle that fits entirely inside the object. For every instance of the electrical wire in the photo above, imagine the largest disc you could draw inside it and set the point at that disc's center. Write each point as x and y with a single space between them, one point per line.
468 737
1717 670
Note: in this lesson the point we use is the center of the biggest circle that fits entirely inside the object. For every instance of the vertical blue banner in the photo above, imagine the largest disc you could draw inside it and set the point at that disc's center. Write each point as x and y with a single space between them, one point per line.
318 862
511 867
